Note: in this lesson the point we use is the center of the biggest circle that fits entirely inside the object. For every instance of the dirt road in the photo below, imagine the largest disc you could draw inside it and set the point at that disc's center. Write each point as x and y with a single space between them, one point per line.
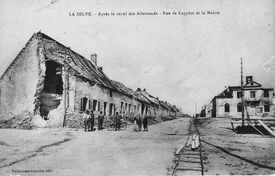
229 153
102 152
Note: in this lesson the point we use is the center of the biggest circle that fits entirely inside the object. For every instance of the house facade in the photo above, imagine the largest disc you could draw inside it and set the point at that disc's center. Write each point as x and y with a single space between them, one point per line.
50 80
257 99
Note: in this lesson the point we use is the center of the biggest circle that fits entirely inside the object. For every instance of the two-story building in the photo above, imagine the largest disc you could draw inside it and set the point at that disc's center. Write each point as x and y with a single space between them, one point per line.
257 100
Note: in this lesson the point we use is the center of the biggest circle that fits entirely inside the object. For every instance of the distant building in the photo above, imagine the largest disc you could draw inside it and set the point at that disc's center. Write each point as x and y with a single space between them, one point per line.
259 101
49 79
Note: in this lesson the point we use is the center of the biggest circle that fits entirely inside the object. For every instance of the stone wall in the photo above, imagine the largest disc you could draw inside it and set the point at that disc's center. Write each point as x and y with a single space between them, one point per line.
18 85
220 112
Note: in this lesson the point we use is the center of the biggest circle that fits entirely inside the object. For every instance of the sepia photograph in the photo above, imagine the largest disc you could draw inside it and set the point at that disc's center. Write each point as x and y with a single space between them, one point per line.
137 87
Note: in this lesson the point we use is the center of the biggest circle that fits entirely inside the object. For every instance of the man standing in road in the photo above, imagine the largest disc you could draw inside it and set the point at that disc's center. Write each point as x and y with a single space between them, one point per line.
135 123
86 120
145 123
92 119
100 120
139 122
117 121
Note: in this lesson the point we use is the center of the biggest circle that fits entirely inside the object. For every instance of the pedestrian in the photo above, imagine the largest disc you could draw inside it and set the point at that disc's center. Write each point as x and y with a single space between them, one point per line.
139 122
86 120
92 119
145 123
100 119
135 124
117 121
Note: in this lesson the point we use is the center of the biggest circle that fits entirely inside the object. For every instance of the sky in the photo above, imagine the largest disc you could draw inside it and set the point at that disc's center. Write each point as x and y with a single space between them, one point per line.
185 60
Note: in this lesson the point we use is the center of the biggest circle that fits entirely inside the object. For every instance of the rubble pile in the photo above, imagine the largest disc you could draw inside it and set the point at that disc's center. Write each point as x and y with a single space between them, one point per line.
74 120
38 122
22 121
55 117
51 123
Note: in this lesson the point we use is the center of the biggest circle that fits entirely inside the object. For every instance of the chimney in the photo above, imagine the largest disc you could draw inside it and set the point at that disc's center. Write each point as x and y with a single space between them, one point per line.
100 68
94 59
138 89
249 79
157 98
144 90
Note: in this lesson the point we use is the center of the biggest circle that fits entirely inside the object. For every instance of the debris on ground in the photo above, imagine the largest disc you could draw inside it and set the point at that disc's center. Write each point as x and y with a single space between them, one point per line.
22 121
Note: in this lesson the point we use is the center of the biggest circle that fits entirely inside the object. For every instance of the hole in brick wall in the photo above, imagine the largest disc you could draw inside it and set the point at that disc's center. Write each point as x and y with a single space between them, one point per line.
53 89
53 80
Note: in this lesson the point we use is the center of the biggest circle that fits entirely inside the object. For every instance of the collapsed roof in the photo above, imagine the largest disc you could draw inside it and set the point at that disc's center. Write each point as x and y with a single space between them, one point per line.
83 67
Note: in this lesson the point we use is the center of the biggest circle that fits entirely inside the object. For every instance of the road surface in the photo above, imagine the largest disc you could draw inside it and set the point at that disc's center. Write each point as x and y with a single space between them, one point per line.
103 152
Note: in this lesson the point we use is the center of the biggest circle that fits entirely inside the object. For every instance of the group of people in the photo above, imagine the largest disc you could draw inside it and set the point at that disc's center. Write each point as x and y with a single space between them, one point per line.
89 120
139 121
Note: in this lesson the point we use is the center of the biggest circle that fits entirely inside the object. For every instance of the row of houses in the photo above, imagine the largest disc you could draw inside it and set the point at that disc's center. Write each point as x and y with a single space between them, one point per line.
50 80
258 100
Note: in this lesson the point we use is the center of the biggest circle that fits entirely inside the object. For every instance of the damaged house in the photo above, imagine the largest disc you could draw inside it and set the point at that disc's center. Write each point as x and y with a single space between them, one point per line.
49 80
258 101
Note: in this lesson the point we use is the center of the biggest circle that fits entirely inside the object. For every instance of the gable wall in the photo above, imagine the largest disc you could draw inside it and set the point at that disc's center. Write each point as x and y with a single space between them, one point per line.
18 84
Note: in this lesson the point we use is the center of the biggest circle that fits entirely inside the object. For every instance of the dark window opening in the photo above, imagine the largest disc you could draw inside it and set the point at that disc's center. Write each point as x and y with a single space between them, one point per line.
110 109
239 94
266 93
115 109
129 107
226 108
266 108
111 93
252 94
239 107
105 106
94 104
121 106
53 79
259 109
90 105
83 104
125 107
142 109
98 107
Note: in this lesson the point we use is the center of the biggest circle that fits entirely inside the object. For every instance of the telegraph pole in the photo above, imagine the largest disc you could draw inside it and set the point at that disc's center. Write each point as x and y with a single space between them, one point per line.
65 92
242 92
195 109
